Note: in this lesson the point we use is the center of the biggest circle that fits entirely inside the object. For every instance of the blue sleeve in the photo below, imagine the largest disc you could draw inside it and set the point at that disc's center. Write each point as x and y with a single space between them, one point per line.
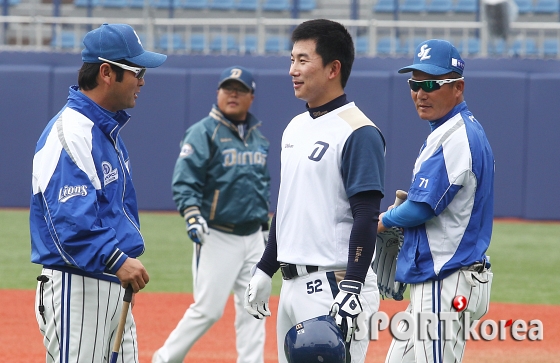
408 214
363 161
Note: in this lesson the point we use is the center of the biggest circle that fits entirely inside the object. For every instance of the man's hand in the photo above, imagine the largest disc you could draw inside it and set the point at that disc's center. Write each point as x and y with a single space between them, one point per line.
258 294
133 272
347 306
196 225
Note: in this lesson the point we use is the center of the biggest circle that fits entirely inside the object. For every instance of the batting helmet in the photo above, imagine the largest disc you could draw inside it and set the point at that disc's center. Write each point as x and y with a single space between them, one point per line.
315 340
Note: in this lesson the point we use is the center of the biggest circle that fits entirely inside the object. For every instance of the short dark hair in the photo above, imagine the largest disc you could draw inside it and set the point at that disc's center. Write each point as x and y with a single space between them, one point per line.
87 76
333 42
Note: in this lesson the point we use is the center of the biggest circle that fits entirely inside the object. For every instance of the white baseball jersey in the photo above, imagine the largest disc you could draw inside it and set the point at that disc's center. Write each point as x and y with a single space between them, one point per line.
313 218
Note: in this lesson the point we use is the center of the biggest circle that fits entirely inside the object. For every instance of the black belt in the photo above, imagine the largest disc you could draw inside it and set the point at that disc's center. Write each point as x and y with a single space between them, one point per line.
477 267
289 270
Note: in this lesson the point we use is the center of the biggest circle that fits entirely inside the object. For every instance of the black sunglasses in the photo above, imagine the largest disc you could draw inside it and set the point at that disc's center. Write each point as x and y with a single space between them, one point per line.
431 84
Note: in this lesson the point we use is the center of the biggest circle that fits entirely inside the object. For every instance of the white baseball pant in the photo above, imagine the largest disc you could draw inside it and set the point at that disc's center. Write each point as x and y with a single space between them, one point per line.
224 265
306 297
435 297
81 317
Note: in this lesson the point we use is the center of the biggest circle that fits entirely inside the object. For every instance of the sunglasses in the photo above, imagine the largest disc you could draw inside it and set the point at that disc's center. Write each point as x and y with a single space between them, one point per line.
138 72
430 85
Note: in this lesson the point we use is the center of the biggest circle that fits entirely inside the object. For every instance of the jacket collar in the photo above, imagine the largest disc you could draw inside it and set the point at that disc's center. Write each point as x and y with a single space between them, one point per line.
217 115
110 126
455 110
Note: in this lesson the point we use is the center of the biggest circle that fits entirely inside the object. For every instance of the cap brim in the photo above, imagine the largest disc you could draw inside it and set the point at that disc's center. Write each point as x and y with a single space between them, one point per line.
426 68
148 59
236 80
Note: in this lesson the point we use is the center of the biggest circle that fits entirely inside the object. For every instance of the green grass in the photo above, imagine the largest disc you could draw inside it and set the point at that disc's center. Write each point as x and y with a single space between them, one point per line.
525 257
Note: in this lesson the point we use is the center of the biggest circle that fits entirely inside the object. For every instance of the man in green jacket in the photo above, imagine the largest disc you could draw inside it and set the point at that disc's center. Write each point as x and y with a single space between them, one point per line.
221 186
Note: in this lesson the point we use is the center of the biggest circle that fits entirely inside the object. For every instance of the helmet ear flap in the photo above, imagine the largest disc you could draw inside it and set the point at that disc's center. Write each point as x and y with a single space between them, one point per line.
315 340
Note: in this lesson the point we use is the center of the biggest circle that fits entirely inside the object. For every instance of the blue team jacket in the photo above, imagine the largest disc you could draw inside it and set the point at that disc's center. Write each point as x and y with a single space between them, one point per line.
83 215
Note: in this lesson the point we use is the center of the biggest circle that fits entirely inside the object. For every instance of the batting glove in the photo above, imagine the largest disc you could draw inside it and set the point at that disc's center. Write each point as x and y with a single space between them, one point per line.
257 294
196 225
347 306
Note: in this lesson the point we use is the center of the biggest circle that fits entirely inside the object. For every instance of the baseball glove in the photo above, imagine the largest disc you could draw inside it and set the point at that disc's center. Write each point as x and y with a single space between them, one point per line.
387 247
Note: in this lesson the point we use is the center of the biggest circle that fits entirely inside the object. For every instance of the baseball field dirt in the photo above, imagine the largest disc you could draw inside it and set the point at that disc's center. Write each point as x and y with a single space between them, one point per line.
157 313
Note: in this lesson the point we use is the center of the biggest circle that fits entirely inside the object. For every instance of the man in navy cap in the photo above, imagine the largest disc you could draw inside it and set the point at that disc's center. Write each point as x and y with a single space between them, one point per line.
448 216
84 224
221 187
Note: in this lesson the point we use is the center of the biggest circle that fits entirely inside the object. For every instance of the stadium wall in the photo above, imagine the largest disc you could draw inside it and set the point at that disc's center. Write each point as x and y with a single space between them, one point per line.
514 99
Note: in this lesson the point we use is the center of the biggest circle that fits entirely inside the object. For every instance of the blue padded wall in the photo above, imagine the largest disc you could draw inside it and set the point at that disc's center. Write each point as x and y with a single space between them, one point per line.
514 99
24 95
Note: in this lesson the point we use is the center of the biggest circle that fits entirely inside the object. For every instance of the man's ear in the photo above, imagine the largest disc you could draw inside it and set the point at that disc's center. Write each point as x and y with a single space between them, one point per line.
334 69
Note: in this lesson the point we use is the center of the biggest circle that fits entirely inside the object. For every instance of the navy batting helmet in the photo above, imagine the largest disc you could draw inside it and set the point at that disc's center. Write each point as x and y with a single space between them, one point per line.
315 340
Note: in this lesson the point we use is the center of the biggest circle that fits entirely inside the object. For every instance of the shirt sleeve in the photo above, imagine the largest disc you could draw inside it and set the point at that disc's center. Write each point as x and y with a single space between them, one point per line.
408 214
363 161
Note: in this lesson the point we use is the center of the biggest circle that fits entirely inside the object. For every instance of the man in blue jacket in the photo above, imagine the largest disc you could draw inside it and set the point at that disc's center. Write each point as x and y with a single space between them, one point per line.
84 218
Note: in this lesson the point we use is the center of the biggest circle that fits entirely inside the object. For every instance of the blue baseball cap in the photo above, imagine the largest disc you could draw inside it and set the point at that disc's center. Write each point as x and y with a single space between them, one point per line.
436 57
239 74
118 41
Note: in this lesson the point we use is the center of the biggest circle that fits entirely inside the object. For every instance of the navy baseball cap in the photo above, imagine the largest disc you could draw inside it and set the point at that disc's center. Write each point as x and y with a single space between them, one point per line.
436 57
118 41
239 74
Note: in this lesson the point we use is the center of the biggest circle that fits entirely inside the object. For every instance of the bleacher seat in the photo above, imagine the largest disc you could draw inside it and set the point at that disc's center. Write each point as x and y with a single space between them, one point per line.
85 3
550 47
219 43
384 45
469 47
162 4
524 6
276 5
465 6
197 43
384 6
276 44
136 3
307 5
362 44
546 7
497 47
250 5
222 4
413 6
13 2
526 47
113 3
408 45
439 6
192 4
67 40
177 42
251 43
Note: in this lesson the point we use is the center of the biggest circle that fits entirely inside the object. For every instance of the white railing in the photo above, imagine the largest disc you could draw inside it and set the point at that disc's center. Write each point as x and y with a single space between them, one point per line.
177 35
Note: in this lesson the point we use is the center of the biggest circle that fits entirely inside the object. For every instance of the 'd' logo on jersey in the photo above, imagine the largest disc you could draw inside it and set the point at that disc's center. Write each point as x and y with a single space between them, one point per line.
319 151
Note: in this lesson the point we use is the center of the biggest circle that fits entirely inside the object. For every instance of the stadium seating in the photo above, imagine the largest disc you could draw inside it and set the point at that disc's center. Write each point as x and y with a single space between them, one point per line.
465 6
413 6
177 42
469 47
439 6
276 44
384 6
250 5
497 47
276 5
550 47
546 7
307 5
524 6
250 43
85 3
362 45
384 46
197 43
222 4
193 4
113 3
220 43
526 47
67 40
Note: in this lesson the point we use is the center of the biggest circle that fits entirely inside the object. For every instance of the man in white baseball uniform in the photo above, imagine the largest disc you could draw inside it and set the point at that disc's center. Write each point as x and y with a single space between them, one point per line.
322 235
84 223
448 216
